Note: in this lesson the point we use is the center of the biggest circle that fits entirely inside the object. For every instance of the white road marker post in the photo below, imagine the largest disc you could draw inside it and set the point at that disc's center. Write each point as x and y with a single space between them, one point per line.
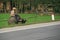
53 18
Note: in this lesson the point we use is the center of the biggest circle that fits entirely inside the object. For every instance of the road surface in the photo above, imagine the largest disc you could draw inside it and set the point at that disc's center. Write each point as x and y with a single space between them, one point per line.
42 33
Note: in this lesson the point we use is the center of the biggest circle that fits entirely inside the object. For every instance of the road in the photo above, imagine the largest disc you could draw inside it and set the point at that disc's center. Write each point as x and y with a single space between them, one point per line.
42 33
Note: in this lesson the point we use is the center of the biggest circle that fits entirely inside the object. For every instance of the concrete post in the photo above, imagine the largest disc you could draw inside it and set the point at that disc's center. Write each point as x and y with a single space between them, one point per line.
53 18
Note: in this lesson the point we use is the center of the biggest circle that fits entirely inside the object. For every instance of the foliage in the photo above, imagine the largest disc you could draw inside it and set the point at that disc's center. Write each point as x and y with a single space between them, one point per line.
54 3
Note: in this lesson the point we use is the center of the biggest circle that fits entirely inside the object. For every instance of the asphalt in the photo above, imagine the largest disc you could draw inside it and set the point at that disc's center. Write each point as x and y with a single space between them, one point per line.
41 33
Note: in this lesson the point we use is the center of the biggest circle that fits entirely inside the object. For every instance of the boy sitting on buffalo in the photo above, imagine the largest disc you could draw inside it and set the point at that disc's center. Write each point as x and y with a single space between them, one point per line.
16 16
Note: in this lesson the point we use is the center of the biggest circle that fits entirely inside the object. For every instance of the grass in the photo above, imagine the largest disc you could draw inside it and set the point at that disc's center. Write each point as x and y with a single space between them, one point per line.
31 19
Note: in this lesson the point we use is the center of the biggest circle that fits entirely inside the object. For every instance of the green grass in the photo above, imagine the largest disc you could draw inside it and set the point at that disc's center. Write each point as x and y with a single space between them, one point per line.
31 19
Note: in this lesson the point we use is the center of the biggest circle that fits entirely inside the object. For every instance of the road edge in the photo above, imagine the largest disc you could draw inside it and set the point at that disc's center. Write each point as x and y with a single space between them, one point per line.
4 30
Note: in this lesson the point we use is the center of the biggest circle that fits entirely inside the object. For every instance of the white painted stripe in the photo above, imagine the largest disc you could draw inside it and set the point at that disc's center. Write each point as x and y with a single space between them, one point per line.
28 27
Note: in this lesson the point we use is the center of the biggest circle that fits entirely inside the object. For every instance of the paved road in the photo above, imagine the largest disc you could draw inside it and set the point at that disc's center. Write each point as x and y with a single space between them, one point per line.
42 33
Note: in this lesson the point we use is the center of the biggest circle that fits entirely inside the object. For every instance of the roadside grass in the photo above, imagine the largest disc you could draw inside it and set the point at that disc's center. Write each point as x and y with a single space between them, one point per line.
31 19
